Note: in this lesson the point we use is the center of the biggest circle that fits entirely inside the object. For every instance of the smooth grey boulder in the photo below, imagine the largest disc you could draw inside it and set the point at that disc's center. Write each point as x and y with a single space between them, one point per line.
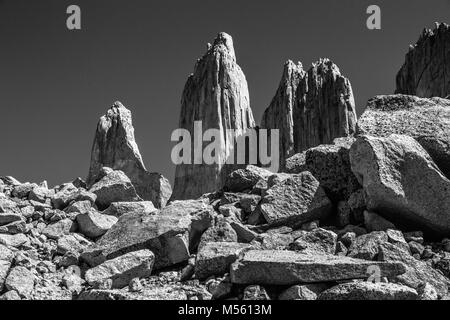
278 267
169 234
365 290
58 229
123 269
294 201
426 120
115 147
402 183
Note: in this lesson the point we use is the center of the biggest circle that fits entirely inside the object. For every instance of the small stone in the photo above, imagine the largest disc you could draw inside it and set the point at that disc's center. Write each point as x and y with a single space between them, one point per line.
416 248
255 292
135 285
94 224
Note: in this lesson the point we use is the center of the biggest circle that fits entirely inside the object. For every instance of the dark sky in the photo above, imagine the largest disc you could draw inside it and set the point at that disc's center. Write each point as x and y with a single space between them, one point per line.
56 83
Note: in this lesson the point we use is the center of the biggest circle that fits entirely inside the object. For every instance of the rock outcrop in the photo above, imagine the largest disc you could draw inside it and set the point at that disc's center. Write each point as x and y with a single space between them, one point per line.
426 120
280 113
311 108
402 183
216 94
115 147
426 72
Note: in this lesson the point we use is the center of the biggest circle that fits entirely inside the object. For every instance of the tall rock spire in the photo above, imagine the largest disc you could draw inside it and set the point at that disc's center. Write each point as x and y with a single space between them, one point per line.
426 72
280 113
115 147
216 94
311 108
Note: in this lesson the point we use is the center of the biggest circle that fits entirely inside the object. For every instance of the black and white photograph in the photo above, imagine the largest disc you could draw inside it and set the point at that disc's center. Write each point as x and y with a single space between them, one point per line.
224 154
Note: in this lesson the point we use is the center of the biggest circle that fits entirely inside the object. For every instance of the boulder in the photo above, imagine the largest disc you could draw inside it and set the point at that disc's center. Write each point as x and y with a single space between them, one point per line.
170 234
426 66
375 222
364 290
21 280
417 272
217 95
114 187
15 241
254 293
245 179
123 269
6 258
94 224
295 201
273 267
58 229
402 183
303 292
426 120
367 246
316 241
215 258
115 147
221 232
118 209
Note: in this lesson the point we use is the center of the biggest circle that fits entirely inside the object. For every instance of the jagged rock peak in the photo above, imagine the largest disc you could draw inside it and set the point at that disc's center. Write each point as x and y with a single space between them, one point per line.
115 147
279 115
216 94
426 66
224 41
311 108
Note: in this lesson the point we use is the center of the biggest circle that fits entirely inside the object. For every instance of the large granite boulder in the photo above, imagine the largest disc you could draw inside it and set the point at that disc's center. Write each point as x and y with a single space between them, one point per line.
217 95
426 69
402 183
294 201
115 147
168 233
114 187
426 120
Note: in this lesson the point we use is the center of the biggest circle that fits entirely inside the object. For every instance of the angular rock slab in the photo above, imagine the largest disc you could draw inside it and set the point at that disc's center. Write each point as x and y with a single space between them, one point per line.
364 290
402 183
123 269
215 258
115 147
426 120
168 233
114 187
294 201
426 69
216 94
273 267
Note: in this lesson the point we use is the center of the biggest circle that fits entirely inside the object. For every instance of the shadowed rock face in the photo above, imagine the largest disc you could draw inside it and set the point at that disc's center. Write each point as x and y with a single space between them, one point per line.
426 72
311 108
280 113
216 94
115 147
